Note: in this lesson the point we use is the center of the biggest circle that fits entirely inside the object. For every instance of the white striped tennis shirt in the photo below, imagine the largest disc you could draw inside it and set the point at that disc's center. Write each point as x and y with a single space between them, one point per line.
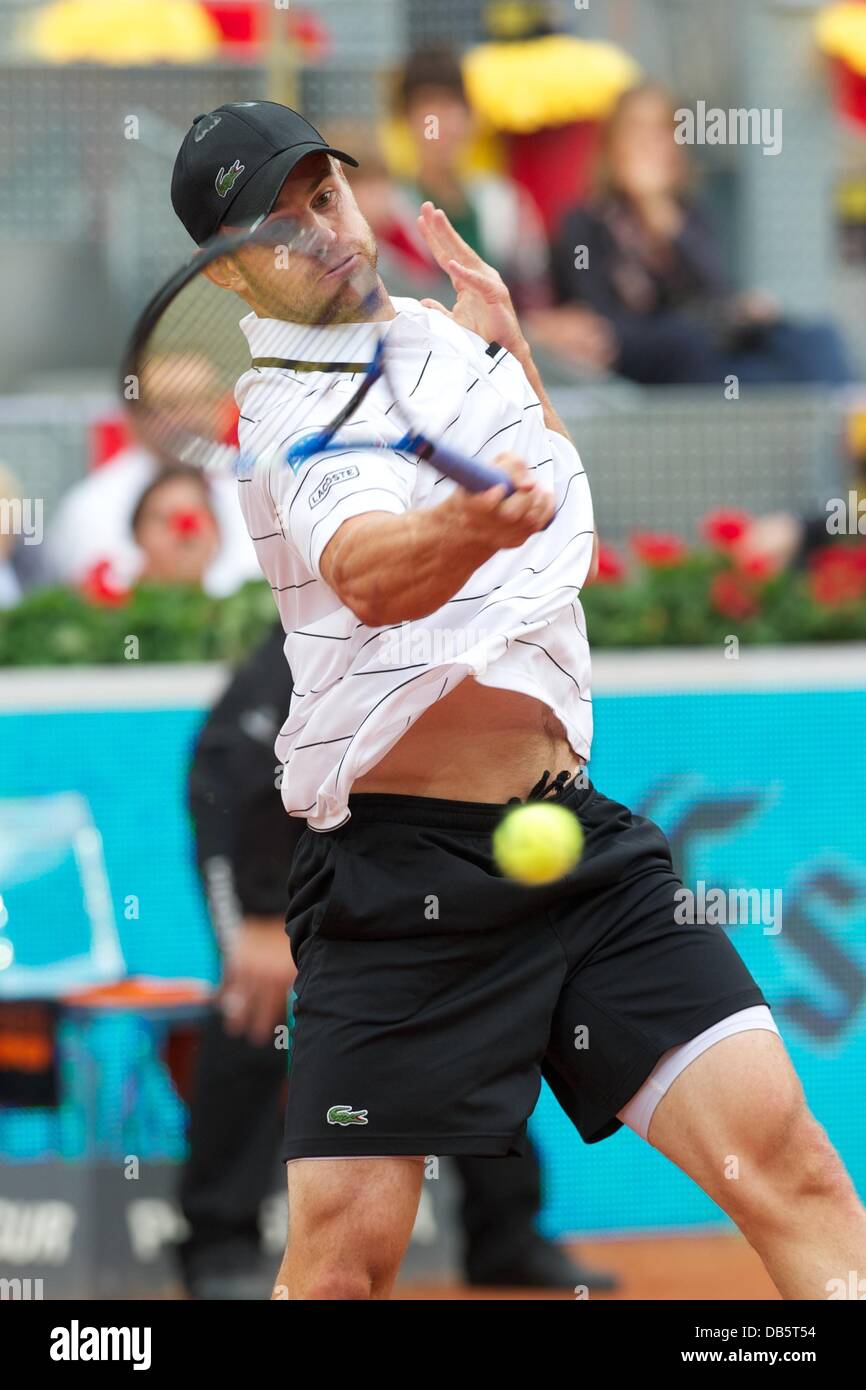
516 624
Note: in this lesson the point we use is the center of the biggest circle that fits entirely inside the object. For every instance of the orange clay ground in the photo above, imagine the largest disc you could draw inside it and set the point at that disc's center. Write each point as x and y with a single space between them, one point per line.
671 1267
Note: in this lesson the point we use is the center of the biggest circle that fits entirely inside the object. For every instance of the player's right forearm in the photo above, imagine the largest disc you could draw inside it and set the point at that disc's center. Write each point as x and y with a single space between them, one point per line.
394 569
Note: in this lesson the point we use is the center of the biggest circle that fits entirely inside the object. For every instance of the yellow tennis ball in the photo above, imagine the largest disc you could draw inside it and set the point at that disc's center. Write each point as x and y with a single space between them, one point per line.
538 842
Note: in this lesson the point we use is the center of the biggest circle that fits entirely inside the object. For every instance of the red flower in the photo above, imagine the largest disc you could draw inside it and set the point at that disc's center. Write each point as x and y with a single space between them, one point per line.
733 596
758 567
838 574
655 550
829 588
611 569
725 526
839 559
100 585
829 557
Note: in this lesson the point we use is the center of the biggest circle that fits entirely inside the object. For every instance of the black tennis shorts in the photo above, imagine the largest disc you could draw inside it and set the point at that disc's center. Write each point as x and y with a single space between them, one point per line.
433 994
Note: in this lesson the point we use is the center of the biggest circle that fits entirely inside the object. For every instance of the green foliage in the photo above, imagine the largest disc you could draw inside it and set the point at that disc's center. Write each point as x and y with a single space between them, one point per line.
680 605
652 605
55 627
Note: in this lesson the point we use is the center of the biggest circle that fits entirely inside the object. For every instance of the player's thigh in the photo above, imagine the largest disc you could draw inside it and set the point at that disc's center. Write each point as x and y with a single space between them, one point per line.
353 1209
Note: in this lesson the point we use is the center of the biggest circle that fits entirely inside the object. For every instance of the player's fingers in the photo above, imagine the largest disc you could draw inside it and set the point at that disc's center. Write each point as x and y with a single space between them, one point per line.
520 481
448 241
433 234
485 503
452 239
543 505
544 510
519 501
484 282
515 467
434 304
517 508
529 509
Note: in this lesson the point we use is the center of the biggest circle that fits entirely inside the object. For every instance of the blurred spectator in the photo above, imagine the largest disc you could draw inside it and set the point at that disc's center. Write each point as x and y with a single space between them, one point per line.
783 540
491 212
780 540
641 258
175 528
10 588
93 527
17 528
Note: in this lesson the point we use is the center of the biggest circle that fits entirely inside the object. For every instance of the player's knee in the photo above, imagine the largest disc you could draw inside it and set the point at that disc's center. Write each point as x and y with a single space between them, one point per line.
329 1280
789 1165
345 1272
337 1285
814 1170
344 1253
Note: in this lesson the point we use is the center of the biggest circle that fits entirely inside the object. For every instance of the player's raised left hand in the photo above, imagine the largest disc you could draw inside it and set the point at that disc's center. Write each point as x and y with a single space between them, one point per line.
483 302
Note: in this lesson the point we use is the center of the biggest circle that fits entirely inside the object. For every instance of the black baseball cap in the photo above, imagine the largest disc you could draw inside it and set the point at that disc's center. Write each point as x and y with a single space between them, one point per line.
235 159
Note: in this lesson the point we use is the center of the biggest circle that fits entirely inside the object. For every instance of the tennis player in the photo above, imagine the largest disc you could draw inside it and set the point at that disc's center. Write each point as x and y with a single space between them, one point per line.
442 672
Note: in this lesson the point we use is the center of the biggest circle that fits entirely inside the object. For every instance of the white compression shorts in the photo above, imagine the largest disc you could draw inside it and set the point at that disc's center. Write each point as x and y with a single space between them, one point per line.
638 1112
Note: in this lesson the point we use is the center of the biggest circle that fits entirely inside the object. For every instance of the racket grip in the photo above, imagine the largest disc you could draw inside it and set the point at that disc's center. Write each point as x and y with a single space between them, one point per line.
474 476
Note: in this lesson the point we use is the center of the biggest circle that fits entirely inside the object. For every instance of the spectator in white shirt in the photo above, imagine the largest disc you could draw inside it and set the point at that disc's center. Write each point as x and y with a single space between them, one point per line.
93 524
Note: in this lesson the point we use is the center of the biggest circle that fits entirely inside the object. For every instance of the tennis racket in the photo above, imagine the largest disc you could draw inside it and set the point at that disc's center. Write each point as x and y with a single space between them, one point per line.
187 353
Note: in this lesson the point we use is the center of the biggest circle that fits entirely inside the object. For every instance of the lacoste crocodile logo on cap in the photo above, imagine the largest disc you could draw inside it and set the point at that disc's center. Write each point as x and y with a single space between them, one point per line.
204 126
226 179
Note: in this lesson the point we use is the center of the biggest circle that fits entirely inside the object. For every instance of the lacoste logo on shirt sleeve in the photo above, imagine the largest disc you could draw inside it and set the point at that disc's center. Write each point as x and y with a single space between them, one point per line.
340 475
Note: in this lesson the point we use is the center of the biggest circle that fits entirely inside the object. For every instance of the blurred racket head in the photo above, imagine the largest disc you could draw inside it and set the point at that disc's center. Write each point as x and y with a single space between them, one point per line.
187 350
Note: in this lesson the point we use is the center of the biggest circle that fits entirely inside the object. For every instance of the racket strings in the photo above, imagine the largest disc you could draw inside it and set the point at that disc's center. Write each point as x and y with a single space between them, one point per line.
185 394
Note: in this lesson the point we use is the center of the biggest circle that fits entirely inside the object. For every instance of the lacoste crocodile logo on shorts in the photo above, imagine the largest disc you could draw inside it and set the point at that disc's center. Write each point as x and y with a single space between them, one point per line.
345 1115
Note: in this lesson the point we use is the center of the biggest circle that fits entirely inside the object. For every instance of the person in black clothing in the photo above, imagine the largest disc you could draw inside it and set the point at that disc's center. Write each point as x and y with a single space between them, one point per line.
640 265
244 844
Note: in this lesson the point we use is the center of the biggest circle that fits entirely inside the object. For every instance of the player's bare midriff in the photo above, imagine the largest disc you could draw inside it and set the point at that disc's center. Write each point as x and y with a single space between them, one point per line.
479 743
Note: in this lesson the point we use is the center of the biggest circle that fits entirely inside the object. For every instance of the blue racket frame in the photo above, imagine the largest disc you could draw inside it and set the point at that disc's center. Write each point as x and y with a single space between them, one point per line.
474 476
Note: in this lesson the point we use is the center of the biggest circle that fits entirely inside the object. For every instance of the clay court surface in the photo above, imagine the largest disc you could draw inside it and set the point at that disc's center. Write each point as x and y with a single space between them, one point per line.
669 1268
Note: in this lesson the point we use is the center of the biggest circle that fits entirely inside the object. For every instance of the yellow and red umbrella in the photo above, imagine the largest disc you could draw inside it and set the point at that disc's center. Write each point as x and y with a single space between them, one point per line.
547 97
841 33
123 32
133 32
